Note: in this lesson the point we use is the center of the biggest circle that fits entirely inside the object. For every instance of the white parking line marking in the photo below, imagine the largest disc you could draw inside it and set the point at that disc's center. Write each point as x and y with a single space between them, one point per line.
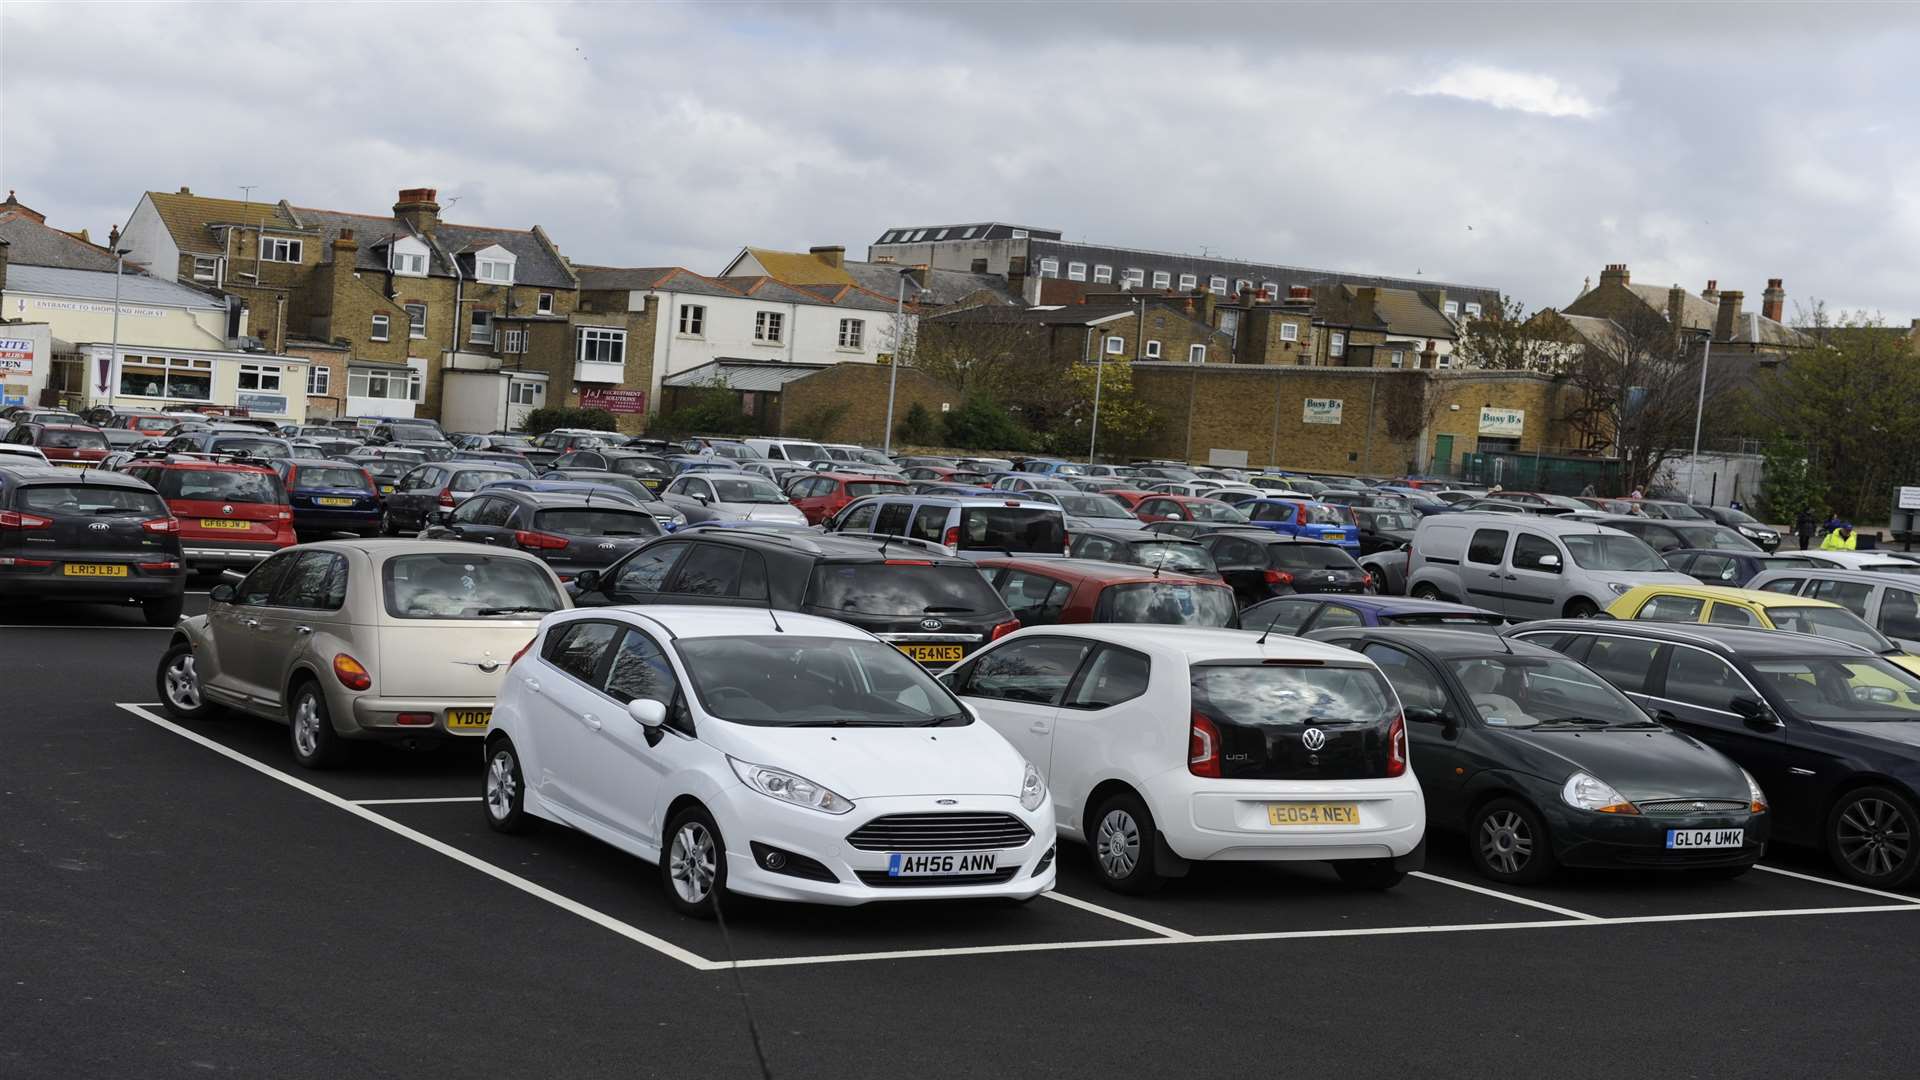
1117 916
414 802
1508 897
564 903
1838 884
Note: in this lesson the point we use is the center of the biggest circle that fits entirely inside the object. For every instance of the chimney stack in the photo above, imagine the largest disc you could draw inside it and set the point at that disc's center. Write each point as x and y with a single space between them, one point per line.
1729 316
1711 294
833 255
1430 357
417 208
1615 274
4 245
1773 302
13 205
1677 308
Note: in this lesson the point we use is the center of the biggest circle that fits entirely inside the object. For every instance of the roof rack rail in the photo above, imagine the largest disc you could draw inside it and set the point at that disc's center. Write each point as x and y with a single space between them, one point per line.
892 538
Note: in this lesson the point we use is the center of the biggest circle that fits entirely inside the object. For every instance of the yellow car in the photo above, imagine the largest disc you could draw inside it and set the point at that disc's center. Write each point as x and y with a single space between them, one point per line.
1751 607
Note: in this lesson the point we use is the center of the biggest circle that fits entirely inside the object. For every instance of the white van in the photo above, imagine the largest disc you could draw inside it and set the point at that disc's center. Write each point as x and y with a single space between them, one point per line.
1527 567
806 453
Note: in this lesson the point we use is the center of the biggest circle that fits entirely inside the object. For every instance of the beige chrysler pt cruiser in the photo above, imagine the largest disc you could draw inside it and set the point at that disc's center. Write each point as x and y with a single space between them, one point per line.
402 640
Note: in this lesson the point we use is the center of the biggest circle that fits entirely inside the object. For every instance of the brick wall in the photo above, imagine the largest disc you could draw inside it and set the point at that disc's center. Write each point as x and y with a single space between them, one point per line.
862 390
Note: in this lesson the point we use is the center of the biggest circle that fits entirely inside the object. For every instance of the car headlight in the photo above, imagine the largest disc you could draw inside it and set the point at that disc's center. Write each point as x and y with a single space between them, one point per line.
1584 792
789 787
1756 799
1033 790
1618 589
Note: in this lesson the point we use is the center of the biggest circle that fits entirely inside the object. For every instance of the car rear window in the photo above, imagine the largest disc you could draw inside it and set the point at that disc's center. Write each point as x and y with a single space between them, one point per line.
269 448
1167 555
1311 557
902 589
221 485
88 499
475 479
466 586
857 488
1170 603
320 476
636 466
73 440
585 522
1013 528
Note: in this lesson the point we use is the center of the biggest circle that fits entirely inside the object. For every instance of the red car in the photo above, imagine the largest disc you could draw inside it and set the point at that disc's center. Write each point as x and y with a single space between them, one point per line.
75 445
1157 507
940 474
1128 497
1041 592
231 515
822 496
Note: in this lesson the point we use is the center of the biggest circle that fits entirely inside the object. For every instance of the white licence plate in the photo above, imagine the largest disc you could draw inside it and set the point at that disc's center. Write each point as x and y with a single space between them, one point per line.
933 864
1693 839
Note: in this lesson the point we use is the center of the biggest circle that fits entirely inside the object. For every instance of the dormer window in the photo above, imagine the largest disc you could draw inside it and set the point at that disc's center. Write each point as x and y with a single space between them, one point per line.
493 265
408 257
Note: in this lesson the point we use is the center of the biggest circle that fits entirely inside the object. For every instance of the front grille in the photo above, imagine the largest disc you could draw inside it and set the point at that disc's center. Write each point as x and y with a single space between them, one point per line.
941 832
879 879
1689 807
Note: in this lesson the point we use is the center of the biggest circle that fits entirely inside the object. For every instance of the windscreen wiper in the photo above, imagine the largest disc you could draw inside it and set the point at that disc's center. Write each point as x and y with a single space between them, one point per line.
512 610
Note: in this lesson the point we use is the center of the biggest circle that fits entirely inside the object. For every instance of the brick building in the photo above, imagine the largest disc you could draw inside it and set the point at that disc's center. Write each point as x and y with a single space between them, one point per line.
1720 314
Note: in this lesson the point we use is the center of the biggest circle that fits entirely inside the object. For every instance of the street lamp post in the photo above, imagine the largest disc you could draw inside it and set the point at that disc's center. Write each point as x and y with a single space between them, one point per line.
1699 413
119 267
1099 373
893 369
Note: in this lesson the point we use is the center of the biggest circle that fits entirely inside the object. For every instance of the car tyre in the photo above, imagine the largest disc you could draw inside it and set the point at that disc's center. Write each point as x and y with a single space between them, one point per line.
178 681
387 525
1873 837
1124 842
310 729
693 863
504 791
1582 608
162 612
1509 843
1424 591
1375 874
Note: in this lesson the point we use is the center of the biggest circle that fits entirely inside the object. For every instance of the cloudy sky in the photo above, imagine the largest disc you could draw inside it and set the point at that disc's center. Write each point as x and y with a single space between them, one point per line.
1515 145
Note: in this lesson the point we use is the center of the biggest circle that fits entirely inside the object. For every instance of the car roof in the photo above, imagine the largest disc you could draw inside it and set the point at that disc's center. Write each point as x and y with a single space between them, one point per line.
1828 573
1447 643
1136 536
1733 553
1552 523
185 462
1741 640
1390 605
36 473
827 546
559 500
386 547
1198 644
1106 573
688 621
862 478
1755 597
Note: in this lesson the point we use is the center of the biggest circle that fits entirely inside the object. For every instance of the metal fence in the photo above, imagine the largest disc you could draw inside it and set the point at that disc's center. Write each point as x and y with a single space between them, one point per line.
1551 473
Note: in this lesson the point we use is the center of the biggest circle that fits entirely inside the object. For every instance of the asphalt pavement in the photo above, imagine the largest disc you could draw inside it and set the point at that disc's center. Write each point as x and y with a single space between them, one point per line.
181 900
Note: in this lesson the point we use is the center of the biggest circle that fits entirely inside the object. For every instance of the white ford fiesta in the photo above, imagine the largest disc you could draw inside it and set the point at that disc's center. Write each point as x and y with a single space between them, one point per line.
775 755
1166 745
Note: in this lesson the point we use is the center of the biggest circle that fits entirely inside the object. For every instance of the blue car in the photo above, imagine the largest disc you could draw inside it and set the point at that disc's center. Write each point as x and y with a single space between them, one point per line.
1052 467
330 496
1304 519
1303 612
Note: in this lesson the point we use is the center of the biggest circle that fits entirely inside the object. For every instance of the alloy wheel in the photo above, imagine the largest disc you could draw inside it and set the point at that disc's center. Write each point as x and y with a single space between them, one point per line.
1118 844
1874 837
500 786
1505 841
692 862
183 683
306 725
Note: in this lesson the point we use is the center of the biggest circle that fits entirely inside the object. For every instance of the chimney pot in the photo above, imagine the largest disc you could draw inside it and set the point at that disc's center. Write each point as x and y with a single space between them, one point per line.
1615 273
1728 317
833 255
185 190
1773 302
418 208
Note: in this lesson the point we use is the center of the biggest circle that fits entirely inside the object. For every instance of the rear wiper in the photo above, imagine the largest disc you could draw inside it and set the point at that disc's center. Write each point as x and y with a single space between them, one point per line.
511 610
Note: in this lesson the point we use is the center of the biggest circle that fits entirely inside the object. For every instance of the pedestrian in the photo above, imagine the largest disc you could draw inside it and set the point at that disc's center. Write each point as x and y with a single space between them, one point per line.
1842 538
1803 525
1637 494
1735 505
1588 492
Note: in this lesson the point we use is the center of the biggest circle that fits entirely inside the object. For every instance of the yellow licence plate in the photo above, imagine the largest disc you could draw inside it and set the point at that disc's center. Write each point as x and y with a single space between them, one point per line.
932 653
224 523
469 719
94 570
1334 538
333 502
78 464
1313 814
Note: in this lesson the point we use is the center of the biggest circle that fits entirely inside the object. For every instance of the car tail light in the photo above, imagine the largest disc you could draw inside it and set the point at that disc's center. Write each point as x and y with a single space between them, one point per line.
162 525
1066 542
168 564
1397 746
414 719
1003 629
952 539
446 497
1372 585
539 541
14 519
351 674
284 515
1203 746
28 564
523 651
1278 577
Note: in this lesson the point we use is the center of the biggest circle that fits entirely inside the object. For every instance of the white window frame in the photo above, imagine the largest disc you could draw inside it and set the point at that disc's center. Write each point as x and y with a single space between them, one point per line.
407 263
1196 354
187 367
1162 279
603 339
1453 307
1242 287
416 329
1103 273
1076 271
1217 285
407 382
513 342
1289 331
493 271
543 304
1050 268
1336 344
266 377
382 328
1397 358
1134 278
853 334
213 268
1270 290
523 392
769 327
693 320
1473 311
319 379
968 235
1019 234
480 327
1153 348
1116 345
942 234
1189 282
282 249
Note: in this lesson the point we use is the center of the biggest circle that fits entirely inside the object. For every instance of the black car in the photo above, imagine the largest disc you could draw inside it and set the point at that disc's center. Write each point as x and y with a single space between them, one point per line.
1731 568
572 533
934 607
1671 535
1141 547
1383 528
1542 764
1830 731
1260 567
92 536
230 441
649 469
428 493
386 472
1743 523
638 488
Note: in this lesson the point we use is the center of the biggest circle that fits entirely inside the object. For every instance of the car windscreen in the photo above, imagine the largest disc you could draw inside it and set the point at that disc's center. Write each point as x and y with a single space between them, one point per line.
1013 528
902 589
323 476
1532 691
804 451
1676 512
1210 510
73 440
221 485
1832 688
1311 557
639 466
1093 506
466 586
88 499
1440 620
1829 622
734 451
857 488
739 489
1392 520
240 444
1170 603
475 479
1712 536
786 680
1167 555
1599 551
595 522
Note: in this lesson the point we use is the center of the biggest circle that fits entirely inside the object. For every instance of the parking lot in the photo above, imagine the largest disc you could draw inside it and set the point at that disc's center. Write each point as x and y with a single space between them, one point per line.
236 915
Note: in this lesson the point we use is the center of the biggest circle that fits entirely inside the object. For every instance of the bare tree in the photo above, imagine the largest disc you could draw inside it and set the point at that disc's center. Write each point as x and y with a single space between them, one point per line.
1507 339
982 356
1637 391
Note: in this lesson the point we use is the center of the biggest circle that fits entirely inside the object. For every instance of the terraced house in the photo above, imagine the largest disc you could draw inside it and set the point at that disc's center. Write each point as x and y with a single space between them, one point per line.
401 314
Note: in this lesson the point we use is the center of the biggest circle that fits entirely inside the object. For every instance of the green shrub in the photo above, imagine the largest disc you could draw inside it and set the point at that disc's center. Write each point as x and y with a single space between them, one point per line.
541 421
981 424
917 427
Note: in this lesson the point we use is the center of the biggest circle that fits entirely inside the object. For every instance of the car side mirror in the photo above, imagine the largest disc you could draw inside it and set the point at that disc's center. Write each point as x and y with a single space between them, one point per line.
649 713
587 580
1756 713
697 497
221 594
1424 714
1550 562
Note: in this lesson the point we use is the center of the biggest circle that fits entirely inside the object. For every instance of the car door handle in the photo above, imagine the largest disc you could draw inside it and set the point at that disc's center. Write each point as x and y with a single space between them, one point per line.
303 629
592 721
532 684
1039 727
251 624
